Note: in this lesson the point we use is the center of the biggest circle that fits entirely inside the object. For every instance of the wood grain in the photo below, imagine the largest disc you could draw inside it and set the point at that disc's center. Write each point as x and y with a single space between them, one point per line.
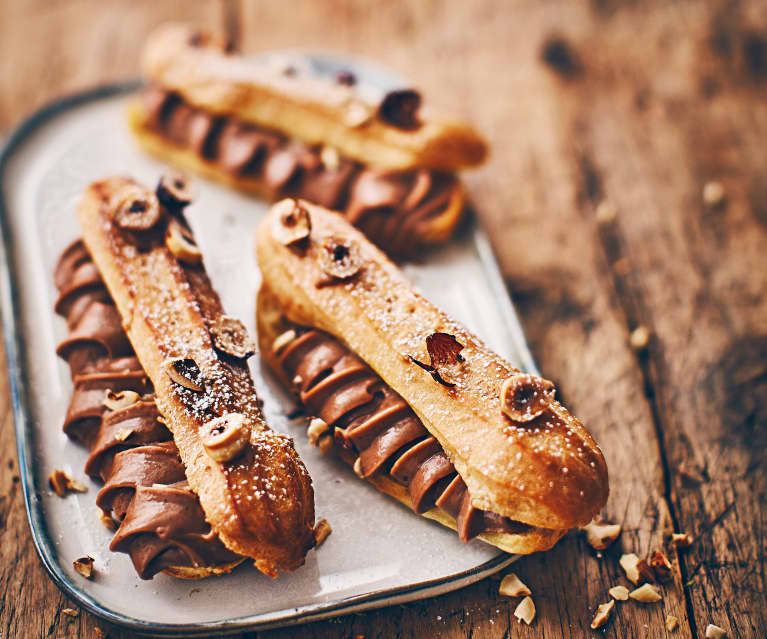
636 104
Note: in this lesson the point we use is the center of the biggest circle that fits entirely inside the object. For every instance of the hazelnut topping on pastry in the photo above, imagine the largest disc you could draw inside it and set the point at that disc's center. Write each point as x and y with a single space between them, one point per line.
384 160
253 489
471 449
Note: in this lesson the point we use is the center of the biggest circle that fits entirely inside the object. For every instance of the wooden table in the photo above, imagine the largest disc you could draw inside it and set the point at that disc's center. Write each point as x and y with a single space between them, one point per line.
594 109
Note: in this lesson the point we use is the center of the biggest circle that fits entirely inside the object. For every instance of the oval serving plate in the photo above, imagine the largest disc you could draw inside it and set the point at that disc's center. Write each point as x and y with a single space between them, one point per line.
379 553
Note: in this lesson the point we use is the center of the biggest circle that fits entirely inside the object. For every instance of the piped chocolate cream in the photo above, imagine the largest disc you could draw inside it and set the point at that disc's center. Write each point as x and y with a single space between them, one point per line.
388 206
371 420
159 521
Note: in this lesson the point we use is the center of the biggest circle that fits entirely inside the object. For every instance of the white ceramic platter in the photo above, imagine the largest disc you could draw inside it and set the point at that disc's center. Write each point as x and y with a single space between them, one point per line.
379 554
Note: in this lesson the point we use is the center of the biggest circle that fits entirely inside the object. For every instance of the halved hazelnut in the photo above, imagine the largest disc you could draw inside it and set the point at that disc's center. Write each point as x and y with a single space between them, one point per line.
321 531
600 535
524 397
290 223
621 593
525 611
181 244
512 586
715 632
120 400
661 566
230 336
137 210
184 372
602 614
174 191
84 566
62 484
317 428
282 340
225 437
645 594
340 259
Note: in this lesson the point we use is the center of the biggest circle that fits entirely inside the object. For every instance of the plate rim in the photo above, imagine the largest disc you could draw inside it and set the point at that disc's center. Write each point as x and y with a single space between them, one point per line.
25 435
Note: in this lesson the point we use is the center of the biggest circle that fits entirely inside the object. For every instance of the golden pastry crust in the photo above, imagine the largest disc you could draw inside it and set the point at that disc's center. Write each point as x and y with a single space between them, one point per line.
547 472
189 61
261 503
271 324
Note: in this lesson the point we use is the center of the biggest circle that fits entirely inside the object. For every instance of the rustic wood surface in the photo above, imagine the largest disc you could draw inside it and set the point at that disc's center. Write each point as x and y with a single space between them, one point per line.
631 106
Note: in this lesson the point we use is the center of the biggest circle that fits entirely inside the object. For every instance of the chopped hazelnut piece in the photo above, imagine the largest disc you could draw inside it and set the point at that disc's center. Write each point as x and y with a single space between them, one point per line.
84 566
62 484
357 113
99 633
606 212
512 586
602 614
358 467
184 372
225 437
325 444
180 242
317 428
713 194
681 540
340 259
70 612
291 223
137 210
330 158
282 340
123 434
321 531
661 566
715 632
174 191
672 623
600 535
230 336
107 520
525 611
123 399
639 338
645 594
266 567
621 593
630 564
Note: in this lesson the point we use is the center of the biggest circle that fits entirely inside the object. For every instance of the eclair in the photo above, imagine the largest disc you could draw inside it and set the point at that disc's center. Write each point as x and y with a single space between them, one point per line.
279 129
254 490
417 404
145 496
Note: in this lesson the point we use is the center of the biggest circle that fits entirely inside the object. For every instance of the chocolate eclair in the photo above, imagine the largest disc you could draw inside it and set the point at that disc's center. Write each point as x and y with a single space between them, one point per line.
275 130
417 404
145 495
254 490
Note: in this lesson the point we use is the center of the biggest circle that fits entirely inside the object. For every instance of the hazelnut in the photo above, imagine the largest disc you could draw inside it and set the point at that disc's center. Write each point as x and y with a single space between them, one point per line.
602 614
181 244
174 191
321 531
672 623
225 437
525 397
282 340
600 535
512 586
715 632
62 484
137 210
230 336
317 428
120 400
184 372
661 566
340 258
525 611
84 566
645 594
290 223
621 593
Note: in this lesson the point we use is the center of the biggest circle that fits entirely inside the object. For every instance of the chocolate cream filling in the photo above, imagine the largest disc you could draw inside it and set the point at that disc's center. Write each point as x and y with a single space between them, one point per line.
390 207
368 418
159 521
